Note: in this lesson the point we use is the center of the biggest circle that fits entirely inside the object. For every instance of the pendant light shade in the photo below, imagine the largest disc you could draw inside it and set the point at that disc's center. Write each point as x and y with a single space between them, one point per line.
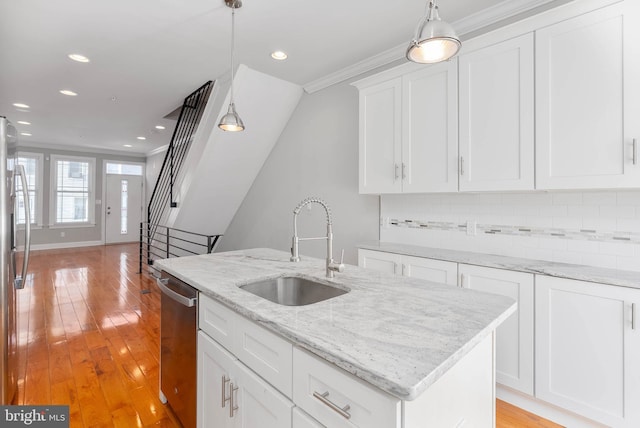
231 120
435 40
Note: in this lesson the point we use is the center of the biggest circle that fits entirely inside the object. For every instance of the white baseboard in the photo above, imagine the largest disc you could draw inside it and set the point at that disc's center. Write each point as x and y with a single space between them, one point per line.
59 245
544 409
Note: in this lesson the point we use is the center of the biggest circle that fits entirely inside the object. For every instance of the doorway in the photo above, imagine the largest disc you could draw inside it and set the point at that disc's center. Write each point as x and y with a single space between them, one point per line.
123 208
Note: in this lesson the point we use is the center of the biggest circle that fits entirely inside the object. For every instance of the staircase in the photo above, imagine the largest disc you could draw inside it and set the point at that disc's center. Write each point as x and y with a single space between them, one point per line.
207 172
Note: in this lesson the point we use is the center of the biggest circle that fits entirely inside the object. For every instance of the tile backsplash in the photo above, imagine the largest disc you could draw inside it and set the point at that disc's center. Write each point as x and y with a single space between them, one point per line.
591 228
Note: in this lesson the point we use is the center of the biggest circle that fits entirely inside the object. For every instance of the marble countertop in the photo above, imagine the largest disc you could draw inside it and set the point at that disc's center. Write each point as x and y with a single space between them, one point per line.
399 334
617 277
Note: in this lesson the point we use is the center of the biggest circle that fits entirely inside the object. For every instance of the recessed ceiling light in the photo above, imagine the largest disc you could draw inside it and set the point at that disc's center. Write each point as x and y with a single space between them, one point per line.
68 92
20 105
78 58
159 127
142 138
279 55
26 134
24 122
127 145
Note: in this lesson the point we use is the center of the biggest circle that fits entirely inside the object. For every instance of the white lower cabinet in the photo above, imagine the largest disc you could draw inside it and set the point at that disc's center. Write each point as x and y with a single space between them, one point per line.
588 349
302 420
514 337
338 400
231 395
416 267
380 261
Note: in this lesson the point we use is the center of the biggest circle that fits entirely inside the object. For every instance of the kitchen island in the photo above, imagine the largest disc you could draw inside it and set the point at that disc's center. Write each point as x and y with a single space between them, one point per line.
409 340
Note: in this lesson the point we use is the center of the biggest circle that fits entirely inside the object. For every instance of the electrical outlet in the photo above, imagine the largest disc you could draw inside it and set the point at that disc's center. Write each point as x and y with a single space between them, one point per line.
62 234
472 228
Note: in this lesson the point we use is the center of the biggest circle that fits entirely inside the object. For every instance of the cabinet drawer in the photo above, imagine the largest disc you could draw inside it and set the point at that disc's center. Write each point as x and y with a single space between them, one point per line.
265 353
217 321
324 391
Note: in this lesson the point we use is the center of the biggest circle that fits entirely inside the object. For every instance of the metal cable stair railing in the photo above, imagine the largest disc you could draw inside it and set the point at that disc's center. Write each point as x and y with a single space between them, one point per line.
171 242
163 195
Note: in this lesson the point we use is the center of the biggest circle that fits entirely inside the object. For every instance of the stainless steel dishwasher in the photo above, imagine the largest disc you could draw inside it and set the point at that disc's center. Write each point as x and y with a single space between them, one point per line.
178 338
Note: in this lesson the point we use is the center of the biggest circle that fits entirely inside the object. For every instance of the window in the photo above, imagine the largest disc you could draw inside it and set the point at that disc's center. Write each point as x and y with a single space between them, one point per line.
73 197
124 168
32 163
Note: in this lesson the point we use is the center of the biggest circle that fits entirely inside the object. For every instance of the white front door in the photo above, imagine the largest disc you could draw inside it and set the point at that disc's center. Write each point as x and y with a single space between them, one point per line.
123 208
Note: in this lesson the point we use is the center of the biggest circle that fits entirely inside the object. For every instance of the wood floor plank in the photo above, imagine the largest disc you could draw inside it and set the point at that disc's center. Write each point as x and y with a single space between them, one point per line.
89 338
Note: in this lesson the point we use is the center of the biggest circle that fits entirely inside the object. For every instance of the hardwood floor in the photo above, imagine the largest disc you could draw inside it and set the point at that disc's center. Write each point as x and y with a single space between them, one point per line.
89 328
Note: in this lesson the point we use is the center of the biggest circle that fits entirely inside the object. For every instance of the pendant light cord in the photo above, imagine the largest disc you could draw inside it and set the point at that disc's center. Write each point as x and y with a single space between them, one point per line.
233 31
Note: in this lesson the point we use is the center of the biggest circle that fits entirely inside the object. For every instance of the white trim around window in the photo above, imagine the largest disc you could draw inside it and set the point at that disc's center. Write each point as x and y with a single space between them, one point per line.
37 187
82 185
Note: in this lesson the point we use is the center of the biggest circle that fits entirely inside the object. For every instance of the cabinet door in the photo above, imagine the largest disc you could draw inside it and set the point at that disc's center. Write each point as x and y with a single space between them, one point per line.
302 420
514 337
496 116
588 100
380 261
430 129
587 350
215 366
259 404
432 270
380 138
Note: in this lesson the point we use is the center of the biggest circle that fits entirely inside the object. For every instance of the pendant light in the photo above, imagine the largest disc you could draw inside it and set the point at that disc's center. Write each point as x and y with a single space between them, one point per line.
435 40
231 121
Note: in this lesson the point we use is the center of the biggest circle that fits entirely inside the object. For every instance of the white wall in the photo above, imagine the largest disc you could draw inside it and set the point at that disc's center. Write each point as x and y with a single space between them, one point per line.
152 170
591 228
317 155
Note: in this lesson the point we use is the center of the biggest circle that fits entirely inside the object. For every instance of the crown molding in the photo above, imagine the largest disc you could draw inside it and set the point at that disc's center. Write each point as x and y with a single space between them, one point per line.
469 24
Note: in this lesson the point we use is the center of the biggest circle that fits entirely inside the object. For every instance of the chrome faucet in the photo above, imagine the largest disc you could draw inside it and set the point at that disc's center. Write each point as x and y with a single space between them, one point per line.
332 266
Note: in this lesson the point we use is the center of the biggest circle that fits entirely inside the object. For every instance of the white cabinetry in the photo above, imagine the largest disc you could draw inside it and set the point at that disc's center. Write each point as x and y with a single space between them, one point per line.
380 261
588 100
416 267
380 137
497 116
588 349
430 129
302 420
231 395
408 130
514 337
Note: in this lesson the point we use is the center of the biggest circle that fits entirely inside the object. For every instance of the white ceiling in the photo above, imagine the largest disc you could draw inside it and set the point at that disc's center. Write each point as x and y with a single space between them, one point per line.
149 54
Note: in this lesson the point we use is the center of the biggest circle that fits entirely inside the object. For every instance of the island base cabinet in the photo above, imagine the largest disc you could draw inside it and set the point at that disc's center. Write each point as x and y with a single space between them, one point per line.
231 395
463 397
338 399
302 420
588 349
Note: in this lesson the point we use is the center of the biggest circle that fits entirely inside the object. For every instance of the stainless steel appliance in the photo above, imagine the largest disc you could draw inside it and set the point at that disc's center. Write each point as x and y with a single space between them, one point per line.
178 337
9 278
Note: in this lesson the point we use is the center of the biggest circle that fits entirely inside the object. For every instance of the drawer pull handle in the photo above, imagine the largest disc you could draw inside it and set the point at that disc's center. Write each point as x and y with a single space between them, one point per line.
633 316
233 406
324 398
225 381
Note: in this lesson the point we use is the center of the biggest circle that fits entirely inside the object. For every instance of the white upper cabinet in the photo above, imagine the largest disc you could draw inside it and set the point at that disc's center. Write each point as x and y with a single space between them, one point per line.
588 100
497 116
380 137
430 129
408 130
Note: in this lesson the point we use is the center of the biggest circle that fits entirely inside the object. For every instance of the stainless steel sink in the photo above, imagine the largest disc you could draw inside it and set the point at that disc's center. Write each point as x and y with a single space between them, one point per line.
293 290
